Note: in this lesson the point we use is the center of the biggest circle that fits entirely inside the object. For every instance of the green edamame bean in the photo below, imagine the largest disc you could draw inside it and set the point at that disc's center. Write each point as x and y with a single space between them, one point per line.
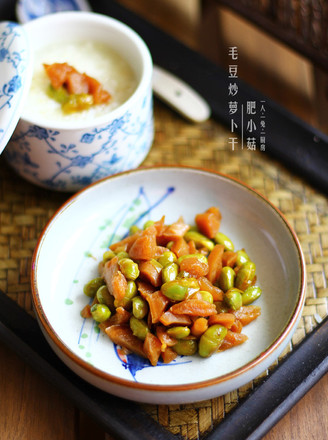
139 327
221 238
156 264
178 289
199 239
122 254
100 312
206 296
148 223
227 278
233 298
202 258
130 292
108 255
104 297
170 272
90 289
166 258
129 268
60 95
242 257
175 291
211 340
183 274
133 229
131 289
179 332
77 102
245 275
185 347
139 307
251 294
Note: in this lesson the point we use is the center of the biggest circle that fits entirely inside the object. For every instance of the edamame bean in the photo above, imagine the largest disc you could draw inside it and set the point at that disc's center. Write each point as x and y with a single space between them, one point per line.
139 307
170 272
251 294
202 258
129 268
183 274
90 288
100 312
133 229
174 290
199 239
108 255
130 292
206 296
148 223
178 289
122 254
131 289
211 340
245 275
233 298
242 257
139 327
60 95
221 238
166 258
156 264
104 297
185 347
227 278
179 332
77 102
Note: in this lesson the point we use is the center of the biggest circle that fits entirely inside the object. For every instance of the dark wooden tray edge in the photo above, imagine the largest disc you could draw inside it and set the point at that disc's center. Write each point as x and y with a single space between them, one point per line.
121 418
255 414
306 155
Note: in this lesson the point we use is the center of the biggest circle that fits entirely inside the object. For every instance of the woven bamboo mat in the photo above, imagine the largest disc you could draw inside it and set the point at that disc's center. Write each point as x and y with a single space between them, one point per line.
25 209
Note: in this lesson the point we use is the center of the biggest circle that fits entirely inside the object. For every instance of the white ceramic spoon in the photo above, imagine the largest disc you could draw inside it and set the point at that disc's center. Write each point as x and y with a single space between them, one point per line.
166 86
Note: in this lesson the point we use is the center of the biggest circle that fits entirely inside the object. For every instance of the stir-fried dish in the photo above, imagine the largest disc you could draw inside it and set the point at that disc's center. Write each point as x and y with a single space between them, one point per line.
177 289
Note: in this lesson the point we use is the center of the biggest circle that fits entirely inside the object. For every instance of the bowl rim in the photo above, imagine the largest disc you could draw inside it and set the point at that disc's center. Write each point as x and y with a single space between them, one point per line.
94 18
115 380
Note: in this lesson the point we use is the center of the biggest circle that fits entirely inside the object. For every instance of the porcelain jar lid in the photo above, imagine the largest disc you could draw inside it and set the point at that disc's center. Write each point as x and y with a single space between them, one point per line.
16 68
27 10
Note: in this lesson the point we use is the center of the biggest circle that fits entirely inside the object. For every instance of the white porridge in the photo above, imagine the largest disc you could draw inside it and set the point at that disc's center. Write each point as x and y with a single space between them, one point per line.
93 58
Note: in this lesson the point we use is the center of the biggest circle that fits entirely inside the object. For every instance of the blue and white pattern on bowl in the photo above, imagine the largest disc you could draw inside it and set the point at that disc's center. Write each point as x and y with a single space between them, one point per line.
14 62
120 145
27 10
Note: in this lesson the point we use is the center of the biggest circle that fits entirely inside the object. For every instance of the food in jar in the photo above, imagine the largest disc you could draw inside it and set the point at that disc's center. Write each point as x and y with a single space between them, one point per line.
73 90
98 61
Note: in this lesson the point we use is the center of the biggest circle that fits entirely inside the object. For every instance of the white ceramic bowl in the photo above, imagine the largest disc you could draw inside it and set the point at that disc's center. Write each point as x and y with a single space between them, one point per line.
71 155
75 238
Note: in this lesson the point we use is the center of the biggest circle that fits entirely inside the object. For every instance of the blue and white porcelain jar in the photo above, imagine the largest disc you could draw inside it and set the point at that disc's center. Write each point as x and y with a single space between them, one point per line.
68 155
